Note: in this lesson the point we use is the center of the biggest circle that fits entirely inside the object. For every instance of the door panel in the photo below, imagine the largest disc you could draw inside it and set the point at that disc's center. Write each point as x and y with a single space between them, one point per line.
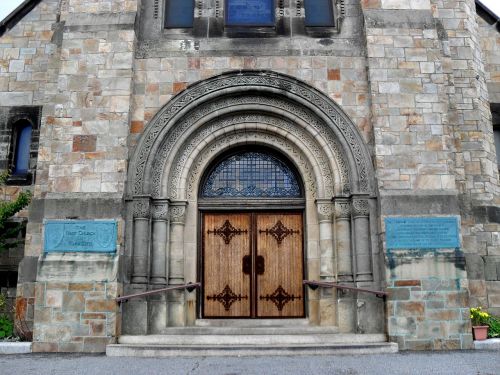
279 265
227 265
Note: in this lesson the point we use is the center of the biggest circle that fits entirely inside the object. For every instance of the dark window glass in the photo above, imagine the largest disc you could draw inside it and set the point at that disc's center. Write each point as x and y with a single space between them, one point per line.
179 13
319 13
22 151
250 12
496 133
251 174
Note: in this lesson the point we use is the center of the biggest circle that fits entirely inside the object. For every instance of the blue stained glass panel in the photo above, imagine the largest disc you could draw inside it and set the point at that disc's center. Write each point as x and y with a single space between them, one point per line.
250 12
319 13
22 153
251 174
179 13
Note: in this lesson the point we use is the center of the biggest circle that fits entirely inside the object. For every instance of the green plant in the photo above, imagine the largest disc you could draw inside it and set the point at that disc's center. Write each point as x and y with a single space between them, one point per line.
479 317
6 326
8 230
494 327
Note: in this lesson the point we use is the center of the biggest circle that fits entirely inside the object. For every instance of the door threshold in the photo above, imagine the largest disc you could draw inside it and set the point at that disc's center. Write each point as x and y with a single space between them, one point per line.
286 322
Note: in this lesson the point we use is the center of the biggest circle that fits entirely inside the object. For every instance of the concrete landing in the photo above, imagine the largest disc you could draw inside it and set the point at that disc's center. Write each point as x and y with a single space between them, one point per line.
302 342
15 347
490 344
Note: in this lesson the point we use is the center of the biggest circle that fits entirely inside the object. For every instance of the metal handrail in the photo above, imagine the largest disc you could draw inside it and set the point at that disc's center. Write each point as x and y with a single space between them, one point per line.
324 284
189 287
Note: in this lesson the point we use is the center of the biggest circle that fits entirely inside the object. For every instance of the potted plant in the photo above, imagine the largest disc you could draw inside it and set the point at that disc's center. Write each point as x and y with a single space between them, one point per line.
479 320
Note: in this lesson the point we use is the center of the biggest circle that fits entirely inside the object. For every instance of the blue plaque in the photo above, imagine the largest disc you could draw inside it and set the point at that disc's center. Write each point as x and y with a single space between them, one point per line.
80 235
422 232
250 12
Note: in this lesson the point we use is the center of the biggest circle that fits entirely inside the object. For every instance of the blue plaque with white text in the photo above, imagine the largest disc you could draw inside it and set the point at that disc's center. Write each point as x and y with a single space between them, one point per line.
250 12
422 232
80 236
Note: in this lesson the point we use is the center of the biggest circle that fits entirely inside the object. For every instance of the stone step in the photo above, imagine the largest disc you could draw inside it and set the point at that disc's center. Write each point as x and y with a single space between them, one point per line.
256 340
251 322
270 330
128 350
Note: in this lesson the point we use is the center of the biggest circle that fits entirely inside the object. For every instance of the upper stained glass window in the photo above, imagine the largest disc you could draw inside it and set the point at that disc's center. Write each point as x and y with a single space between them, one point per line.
253 175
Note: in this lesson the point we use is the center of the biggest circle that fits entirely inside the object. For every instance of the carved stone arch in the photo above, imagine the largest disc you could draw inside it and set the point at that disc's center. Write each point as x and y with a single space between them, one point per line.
276 113
175 186
194 169
164 127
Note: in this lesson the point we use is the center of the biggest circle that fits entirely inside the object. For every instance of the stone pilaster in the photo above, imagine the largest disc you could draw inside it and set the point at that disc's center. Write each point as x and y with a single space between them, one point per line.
361 216
141 213
160 238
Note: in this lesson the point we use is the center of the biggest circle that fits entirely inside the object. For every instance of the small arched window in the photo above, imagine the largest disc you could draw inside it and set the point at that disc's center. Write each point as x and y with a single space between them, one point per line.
251 174
22 144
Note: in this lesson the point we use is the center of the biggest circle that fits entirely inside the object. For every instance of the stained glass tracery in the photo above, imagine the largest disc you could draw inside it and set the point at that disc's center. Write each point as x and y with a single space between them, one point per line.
251 174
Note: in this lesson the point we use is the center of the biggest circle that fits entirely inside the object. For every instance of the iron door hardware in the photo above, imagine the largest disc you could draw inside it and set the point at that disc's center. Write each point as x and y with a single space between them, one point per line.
247 264
260 265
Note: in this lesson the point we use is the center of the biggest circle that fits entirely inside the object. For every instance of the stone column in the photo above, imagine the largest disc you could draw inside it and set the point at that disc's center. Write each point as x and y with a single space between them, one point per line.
328 297
361 213
346 303
160 241
327 256
343 239
141 240
176 256
176 299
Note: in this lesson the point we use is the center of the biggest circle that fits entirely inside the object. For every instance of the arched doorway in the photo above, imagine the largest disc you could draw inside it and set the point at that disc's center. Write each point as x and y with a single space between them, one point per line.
251 205
194 134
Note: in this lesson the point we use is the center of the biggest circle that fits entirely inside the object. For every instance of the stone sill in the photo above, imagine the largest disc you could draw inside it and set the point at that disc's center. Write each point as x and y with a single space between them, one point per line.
15 347
490 344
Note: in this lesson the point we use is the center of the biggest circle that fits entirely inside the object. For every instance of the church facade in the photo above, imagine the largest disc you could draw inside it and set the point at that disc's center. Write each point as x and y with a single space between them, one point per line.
253 148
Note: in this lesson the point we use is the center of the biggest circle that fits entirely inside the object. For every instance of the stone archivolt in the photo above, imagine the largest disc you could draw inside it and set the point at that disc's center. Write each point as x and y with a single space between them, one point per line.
290 99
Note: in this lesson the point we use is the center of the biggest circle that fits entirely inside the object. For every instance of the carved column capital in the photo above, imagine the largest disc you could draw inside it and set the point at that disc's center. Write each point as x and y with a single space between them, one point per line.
160 209
325 209
141 207
178 211
361 207
342 208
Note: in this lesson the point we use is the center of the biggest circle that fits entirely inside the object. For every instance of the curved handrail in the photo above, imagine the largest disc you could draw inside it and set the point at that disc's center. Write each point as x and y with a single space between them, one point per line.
189 287
324 284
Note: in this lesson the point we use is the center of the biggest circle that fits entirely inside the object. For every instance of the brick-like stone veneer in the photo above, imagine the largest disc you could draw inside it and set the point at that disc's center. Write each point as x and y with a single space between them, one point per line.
76 317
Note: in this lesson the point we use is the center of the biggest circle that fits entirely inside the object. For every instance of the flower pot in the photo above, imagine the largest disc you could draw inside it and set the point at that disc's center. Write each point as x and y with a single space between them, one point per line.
480 332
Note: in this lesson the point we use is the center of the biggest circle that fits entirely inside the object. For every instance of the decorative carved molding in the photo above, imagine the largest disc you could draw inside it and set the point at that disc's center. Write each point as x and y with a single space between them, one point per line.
160 211
141 208
227 297
279 297
360 207
178 212
342 209
229 140
227 232
336 118
201 134
325 209
279 231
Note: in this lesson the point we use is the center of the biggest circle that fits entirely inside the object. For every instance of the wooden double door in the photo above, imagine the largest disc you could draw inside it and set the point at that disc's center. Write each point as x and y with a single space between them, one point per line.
252 265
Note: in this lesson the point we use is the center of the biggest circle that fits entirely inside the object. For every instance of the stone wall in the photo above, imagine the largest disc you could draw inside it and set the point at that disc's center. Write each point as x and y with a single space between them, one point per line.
408 73
75 317
73 58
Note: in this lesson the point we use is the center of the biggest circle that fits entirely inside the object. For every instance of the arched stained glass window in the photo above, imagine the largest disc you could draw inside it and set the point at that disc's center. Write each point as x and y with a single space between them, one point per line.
22 150
251 174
